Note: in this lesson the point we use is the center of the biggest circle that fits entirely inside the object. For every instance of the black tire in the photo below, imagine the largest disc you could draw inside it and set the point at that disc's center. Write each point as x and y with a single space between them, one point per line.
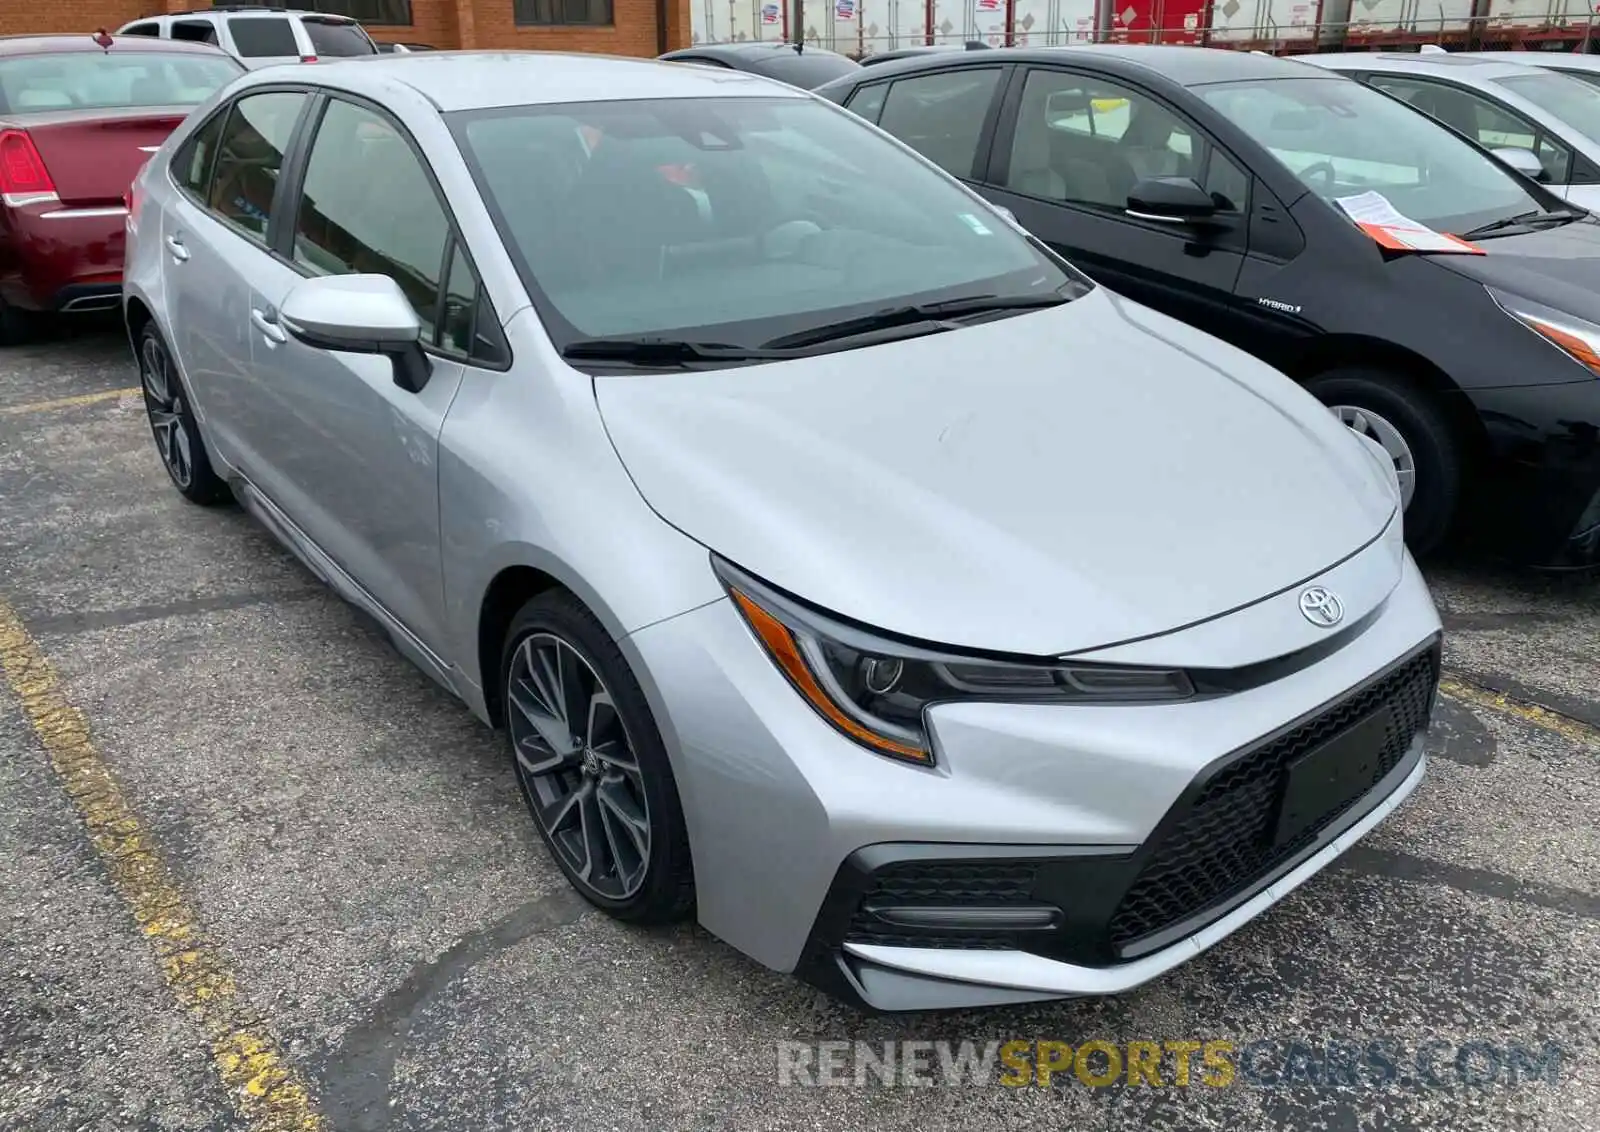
16 326
1422 423
173 424
666 891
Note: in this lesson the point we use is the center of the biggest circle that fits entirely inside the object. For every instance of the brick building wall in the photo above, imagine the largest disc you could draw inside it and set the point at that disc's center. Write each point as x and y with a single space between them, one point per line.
443 23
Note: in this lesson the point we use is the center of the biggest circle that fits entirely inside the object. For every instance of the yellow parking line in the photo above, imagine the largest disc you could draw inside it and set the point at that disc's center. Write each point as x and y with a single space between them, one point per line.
68 402
1542 718
271 1096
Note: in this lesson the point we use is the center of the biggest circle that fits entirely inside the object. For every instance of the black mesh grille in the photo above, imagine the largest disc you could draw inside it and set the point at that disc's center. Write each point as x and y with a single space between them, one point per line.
1223 846
987 884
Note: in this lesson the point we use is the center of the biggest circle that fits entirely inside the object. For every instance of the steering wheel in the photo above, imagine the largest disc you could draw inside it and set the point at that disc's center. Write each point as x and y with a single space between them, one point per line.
1325 170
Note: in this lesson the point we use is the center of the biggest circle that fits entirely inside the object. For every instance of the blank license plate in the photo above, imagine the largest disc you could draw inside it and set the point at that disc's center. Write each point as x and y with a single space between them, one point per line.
1326 778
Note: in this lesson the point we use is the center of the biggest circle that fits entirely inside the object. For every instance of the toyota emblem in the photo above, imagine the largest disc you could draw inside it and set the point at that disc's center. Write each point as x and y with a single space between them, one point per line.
1321 607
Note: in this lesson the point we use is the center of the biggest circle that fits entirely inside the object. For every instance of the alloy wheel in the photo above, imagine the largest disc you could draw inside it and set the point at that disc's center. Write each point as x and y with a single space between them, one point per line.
578 766
1370 424
163 400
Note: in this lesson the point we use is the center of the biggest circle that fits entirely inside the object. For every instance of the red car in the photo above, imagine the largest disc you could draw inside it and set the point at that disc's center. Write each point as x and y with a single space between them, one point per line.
78 116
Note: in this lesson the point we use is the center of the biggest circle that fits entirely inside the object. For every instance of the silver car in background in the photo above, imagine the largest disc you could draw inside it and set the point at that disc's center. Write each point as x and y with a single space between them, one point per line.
1543 123
839 564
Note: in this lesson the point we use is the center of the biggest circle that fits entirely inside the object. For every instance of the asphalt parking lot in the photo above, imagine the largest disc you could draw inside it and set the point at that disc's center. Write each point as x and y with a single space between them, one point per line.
269 857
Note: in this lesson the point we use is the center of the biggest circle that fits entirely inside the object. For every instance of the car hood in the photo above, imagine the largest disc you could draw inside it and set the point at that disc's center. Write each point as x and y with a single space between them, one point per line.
1040 484
1559 267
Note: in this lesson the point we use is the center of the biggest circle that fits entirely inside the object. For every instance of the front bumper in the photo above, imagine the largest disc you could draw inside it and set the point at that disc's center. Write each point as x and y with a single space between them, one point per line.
780 807
918 927
1537 499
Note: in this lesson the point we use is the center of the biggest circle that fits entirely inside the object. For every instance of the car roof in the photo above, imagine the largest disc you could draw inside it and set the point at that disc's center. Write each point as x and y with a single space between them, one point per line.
753 49
66 44
482 80
245 10
1541 60
1185 66
1438 64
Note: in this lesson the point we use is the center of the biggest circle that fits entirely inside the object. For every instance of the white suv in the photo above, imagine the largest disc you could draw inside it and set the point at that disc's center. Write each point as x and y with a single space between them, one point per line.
260 35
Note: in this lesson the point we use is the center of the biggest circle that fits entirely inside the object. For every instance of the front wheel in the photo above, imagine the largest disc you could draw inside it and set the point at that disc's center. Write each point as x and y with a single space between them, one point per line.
591 764
1415 432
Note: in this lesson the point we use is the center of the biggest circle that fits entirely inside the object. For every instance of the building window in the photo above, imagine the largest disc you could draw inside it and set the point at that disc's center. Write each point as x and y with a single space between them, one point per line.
547 13
378 13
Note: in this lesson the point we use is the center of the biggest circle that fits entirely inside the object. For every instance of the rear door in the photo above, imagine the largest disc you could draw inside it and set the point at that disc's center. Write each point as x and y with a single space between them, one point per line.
215 249
1069 148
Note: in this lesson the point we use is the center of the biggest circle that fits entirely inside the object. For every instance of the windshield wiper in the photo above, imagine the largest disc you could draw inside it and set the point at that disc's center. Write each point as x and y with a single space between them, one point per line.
654 351
1522 219
935 314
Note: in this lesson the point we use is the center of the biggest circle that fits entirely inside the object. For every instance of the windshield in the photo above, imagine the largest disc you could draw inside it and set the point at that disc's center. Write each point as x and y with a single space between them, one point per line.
1575 103
731 220
1343 139
94 80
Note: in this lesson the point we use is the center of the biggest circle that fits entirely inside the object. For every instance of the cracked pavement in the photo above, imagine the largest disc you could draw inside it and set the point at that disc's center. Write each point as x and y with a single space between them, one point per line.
354 844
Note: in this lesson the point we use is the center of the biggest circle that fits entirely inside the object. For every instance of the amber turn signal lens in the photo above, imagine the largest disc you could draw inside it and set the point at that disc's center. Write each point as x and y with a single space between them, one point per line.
785 651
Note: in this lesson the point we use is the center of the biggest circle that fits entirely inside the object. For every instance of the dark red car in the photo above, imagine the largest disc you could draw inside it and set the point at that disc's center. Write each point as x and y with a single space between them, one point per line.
79 114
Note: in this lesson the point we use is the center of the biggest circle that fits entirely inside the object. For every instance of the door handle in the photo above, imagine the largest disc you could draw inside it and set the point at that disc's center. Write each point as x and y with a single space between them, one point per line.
270 330
175 246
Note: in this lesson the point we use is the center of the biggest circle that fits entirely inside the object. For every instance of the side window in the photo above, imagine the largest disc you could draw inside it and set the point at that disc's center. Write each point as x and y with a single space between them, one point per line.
261 37
151 30
250 157
191 165
1088 141
941 115
1556 159
1485 122
1228 185
368 207
195 31
457 324
867 101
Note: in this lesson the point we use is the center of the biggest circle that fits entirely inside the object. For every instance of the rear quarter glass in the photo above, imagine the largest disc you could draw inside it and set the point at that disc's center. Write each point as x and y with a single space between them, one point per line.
337 38
263 37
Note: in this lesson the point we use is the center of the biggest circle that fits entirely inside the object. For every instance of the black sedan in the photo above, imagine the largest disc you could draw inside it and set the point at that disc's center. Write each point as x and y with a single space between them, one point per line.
1303 217
797 65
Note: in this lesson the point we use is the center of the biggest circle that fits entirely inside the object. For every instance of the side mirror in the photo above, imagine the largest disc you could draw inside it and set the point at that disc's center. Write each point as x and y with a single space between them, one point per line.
1170 200
360 314
1524 161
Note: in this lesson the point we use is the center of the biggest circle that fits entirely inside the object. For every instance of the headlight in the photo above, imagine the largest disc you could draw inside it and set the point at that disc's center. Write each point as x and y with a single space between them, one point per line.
875 690
1580 340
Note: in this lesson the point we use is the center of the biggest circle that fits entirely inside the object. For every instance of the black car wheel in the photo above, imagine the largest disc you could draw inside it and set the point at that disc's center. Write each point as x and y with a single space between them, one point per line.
1407 422
16 326
173 423
591 764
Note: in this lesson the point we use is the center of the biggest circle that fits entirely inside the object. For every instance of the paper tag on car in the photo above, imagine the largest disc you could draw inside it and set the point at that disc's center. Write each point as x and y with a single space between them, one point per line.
1375 216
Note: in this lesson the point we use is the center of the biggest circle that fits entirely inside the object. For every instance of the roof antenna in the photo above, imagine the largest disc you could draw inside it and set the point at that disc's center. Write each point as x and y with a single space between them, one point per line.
102 39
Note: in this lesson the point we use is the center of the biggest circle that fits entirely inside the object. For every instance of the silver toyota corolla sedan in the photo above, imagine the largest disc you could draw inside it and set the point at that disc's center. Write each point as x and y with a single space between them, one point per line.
840 565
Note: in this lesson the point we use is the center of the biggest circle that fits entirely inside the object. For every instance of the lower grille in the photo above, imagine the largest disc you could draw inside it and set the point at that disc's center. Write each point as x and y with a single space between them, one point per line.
1222 845
987 884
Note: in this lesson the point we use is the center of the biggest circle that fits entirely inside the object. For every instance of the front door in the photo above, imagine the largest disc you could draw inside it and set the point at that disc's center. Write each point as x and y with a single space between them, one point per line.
1070 148
358 464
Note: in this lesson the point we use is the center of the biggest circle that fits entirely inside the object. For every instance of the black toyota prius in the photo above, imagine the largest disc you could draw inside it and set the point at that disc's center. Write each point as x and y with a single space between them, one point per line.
1291 212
